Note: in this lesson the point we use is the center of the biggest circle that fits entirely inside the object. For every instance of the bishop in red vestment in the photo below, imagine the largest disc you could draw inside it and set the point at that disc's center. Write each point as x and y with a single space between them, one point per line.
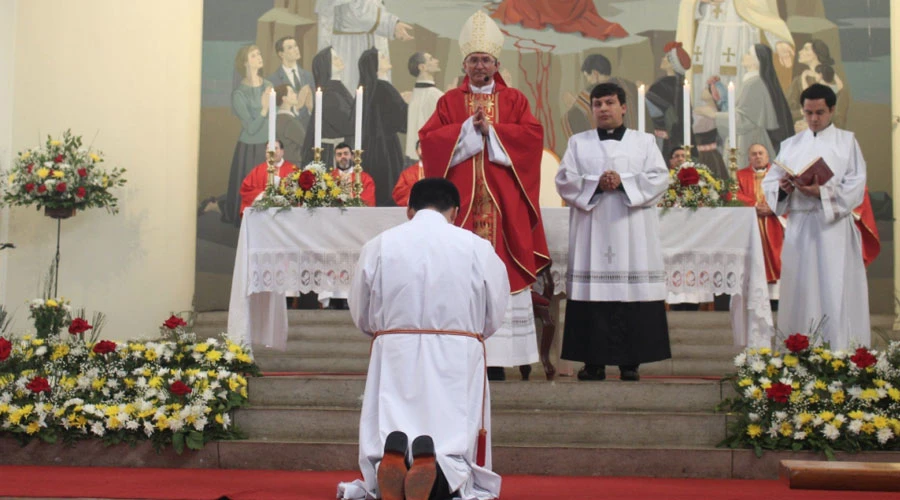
255 182
750 193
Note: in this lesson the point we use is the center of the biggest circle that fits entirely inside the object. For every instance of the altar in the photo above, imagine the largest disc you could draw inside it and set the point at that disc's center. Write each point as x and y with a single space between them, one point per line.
279 254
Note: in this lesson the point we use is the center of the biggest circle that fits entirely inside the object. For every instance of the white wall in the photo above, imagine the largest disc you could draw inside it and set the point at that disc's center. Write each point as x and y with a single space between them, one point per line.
126 76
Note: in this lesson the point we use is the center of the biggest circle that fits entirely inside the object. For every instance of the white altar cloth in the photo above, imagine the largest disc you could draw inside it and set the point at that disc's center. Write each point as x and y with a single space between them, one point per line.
282 253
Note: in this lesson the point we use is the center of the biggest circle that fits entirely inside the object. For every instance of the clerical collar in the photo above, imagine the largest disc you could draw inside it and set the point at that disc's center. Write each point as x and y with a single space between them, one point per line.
424 85
615 134
280 162
816 134
762 168
487 89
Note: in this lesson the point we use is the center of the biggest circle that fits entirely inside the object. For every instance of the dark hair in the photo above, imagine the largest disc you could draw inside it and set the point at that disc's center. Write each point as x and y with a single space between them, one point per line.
608 88
826 71
673 150
819 91
280 144
280 92
434 192
820 49
279 45
598 63
414 61
342 145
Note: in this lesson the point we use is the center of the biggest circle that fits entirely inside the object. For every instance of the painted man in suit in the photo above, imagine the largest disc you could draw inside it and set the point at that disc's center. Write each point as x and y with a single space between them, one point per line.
290 73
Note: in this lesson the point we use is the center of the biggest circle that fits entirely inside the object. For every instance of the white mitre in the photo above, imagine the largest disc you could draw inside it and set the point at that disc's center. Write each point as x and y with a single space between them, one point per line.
480 34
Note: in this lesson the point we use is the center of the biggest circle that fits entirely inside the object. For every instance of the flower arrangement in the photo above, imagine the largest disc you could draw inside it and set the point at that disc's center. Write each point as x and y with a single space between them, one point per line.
313 187
61 174
177 390
813 398
692 185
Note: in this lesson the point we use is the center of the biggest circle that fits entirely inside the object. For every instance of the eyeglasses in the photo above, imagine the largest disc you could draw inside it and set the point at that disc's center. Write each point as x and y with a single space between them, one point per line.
483 60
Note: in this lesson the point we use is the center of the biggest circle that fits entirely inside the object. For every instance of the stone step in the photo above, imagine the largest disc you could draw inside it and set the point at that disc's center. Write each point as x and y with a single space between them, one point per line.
510 427
661 395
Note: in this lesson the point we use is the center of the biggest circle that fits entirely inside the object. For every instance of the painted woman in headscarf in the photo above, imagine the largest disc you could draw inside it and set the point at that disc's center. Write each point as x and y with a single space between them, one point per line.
665 99
337 107
384 115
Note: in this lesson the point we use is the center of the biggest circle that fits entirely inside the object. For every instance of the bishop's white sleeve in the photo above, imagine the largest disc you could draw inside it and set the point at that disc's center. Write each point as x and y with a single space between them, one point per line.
471 142
644 188
496 286
574 186
361 297
772 188
496 153
840 197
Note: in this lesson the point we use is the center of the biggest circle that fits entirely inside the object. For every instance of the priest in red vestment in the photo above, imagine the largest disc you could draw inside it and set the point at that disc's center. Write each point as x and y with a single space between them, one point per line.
750 193
483 137
343 158
564 16
409 176
255 182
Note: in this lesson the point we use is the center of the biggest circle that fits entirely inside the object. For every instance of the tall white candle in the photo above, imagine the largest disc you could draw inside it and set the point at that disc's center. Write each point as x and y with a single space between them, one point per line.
732 118
642 91
357 134
318 136
272 113
687 113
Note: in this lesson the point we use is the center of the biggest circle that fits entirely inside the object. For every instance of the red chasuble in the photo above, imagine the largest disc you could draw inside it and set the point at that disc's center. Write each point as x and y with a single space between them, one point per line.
498 203
408 177
256 180
750 193
368 192
865 221
564 16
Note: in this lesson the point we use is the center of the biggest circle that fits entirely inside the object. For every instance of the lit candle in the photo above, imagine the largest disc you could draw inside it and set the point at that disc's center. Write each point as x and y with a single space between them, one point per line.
357 143
318 136
642 91
272 113
732 118
687 113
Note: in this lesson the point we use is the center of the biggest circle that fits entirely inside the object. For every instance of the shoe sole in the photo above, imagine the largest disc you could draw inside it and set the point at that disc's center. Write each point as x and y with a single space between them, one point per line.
420 478
391 476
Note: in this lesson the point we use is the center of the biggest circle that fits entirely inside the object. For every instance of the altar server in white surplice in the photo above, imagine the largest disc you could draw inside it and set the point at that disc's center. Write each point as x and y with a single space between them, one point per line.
612 179
822 270
428 292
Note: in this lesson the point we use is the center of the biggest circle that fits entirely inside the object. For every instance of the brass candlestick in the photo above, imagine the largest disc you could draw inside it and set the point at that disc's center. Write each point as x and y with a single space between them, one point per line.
317 155
732 167
356 190
270 160
687 152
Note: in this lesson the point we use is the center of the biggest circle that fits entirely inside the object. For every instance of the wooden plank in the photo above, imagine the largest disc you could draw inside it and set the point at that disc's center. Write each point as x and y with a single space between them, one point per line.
822 475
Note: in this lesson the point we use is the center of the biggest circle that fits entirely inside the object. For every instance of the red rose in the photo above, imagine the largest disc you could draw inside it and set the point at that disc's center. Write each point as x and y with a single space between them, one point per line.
38 384
863 358
42 189
779 392
82 172
30 167
179 388
688 176
797 342
105 347
174 322
80 192
58 159
307 180
78 326
61 187
5 349
29 187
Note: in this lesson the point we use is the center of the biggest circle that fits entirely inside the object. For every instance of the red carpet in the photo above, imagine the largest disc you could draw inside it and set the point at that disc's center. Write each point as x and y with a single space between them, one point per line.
100 482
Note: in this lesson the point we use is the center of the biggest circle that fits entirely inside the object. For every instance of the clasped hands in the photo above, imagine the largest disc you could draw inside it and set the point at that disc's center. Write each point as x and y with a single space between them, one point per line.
610 181
481 122
789 182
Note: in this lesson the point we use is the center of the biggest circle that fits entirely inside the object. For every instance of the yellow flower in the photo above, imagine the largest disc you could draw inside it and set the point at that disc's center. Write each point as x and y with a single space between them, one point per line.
745 382
796 396
826 355
321 195
704 191
868 428
234 348
98 383
838 397
37 342
26 155
869 394
856 414
298 193
59 352
162 423
129 382
880 422
757 393
59 174
672 193
790 360
219 419
804 418
155 382
336 192
43 172
766 385
821 385
51 303
11 178
55 143
308 195
894 393
243 358
754 430
826 416
327 177
105 181
765 351
33 428
786 429
202 347
771 370
329 183
214 356
95 157
837 364
150 355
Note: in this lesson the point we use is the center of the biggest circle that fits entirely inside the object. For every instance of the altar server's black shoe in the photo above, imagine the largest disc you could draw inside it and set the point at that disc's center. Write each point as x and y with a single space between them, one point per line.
423 472
629 373
592 372
496 373
392 470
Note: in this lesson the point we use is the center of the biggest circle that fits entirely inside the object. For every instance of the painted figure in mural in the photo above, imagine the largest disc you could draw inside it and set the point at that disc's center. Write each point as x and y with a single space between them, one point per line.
289 128
750 193
249 102
763 115
255 183
351 27
716 33
596 69
612 178
564 16
337 107
665 99
816 58
706 133
411 175
822 268
484 138
290 73
384 116
423 101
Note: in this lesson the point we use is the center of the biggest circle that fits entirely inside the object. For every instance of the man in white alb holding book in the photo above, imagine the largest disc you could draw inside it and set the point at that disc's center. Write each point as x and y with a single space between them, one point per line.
822 271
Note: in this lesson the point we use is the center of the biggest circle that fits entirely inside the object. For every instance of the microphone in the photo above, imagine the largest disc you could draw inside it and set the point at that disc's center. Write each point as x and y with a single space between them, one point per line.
487 79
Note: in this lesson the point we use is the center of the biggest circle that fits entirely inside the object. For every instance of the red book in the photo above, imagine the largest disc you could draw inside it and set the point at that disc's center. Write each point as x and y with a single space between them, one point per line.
805 175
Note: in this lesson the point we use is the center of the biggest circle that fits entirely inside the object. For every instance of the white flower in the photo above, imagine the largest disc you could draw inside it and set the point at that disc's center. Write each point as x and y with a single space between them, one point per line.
855 426
98 429
840 418
776 362
754 417
831 432
148 428
758 366
885 435
799 436
780 415
40 351
740 359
